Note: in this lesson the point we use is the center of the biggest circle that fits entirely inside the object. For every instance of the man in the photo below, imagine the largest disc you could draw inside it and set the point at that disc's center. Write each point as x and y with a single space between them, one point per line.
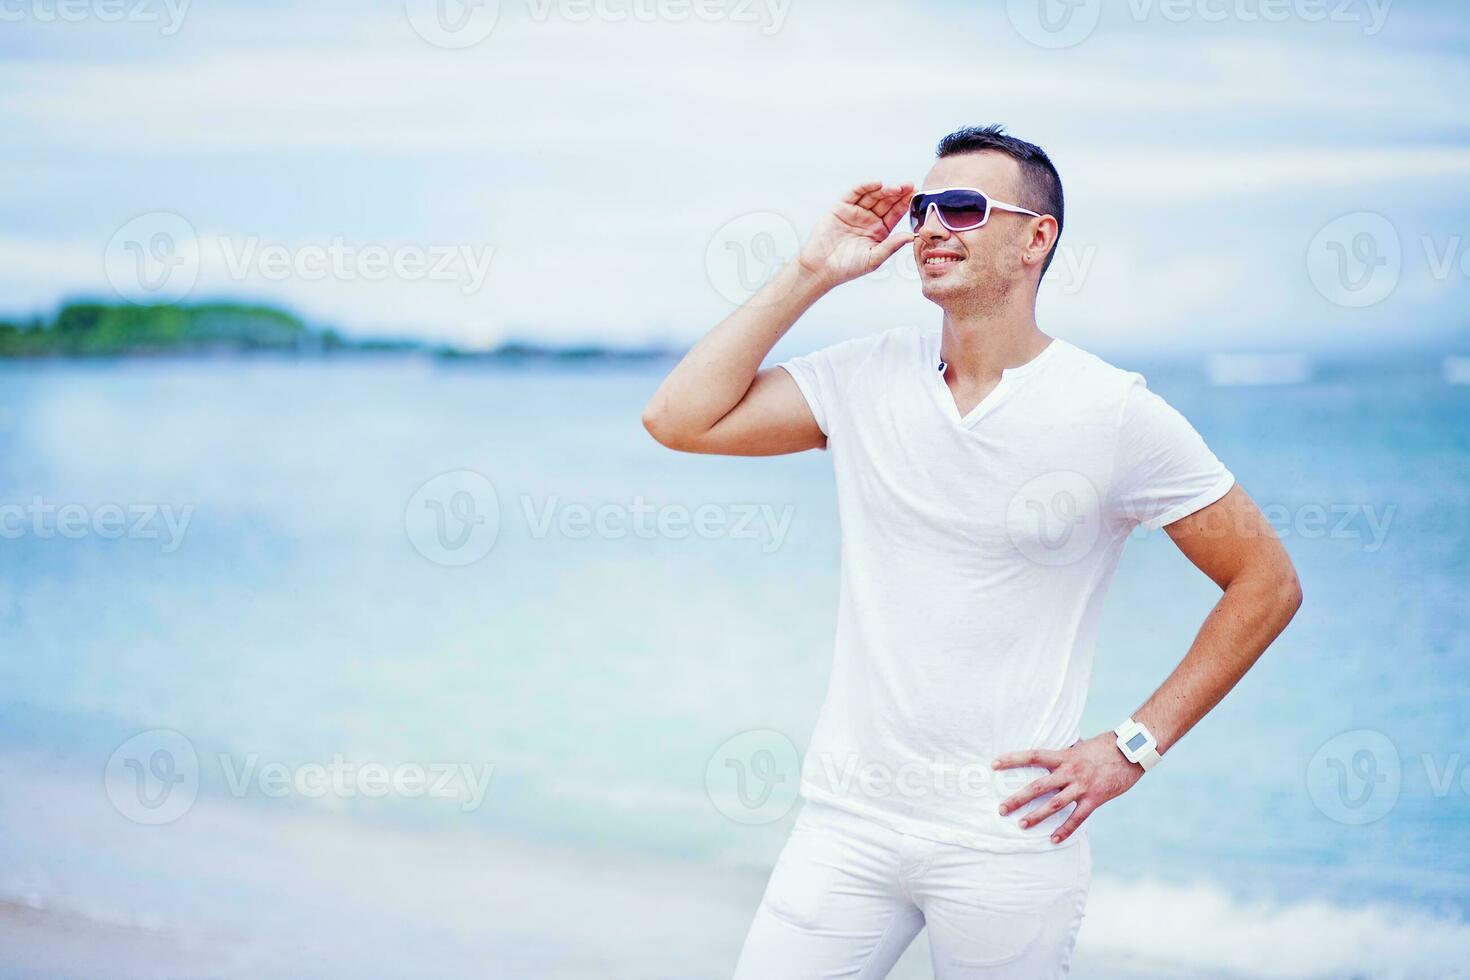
988 477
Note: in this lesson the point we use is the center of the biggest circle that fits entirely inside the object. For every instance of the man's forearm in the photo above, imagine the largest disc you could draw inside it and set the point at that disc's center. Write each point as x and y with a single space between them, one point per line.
716 372
1249 616
1232 543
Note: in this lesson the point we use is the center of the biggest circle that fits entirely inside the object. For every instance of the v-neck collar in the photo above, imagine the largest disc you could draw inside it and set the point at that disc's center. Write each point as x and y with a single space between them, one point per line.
1009 379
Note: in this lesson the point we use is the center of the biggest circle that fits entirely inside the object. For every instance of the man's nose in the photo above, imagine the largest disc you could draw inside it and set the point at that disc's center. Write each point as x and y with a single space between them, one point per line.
932 228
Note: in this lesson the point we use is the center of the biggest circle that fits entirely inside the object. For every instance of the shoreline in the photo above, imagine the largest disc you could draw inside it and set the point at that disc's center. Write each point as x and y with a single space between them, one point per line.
235 890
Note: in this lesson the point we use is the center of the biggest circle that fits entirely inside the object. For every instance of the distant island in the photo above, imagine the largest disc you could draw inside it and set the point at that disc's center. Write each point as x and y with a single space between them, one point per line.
94 329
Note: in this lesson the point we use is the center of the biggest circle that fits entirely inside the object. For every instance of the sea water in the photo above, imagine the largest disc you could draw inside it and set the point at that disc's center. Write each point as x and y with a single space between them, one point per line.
296 568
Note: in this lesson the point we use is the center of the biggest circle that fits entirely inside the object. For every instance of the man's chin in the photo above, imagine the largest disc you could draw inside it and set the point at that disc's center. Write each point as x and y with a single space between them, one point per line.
941 290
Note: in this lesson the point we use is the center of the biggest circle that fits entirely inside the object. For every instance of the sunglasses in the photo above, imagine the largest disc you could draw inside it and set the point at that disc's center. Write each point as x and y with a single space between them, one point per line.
959 208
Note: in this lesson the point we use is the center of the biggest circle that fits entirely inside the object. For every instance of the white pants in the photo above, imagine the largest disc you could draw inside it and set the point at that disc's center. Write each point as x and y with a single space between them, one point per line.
848 895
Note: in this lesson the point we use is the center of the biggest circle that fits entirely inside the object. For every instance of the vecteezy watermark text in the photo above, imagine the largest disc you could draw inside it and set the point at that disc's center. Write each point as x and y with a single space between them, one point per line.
754 777
455 24
746 252
344 779
147 522
1058 518
1066 23
768 16
641 519
1371 14
341 260
454 519
153 778
169 14
158 256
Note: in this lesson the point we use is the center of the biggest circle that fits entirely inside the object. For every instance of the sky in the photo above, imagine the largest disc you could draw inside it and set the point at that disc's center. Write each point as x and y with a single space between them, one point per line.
1241 175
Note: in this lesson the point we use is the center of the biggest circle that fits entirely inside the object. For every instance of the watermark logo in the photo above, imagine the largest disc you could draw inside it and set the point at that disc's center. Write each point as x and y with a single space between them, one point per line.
465 23
747 252
153 777
1442 257
1070 269
1370 14
44 520
1055 519
1066 23
940 777
1355 260
1442 777
1365 523
640 518
346 261
453 24
1054 24
1355 777
754 777
154 258
168 14
157 257
345 779
767 15
454 518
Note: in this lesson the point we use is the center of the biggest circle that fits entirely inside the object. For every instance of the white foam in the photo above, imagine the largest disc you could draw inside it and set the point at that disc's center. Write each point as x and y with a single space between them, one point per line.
1201 927
1258 369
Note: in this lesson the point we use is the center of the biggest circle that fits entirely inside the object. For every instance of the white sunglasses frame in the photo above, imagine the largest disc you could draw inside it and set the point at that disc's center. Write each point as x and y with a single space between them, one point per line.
991 204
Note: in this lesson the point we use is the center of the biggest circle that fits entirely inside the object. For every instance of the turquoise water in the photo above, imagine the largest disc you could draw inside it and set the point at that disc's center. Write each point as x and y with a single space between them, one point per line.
600 673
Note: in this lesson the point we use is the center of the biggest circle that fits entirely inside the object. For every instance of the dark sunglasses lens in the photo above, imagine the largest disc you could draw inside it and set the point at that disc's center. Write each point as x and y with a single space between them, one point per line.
962 209
958 210
917 207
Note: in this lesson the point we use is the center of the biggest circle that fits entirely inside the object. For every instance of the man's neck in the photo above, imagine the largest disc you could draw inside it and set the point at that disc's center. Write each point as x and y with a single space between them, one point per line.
979 344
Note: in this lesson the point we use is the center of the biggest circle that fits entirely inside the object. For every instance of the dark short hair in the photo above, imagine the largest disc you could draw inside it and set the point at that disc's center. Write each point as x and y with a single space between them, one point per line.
1041 185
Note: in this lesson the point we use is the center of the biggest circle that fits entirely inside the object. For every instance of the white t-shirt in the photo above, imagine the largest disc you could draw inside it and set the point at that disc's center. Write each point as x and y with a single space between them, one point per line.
976 553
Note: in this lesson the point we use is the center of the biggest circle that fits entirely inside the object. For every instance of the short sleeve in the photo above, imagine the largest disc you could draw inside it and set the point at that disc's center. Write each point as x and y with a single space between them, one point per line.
1162 470
823 376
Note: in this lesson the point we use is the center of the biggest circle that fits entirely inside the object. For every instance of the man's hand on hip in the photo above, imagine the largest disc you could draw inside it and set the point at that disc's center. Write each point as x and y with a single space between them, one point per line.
1089 774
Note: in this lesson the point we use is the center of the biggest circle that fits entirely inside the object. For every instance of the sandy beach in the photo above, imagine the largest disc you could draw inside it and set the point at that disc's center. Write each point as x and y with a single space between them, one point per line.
236 890
239 890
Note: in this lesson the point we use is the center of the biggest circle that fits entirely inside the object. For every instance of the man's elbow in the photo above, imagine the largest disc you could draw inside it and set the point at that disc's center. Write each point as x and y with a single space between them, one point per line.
1288 591
657 423
1271 583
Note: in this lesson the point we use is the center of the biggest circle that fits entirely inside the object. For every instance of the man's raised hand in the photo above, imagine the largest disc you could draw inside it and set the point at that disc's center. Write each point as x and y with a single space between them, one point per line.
856 236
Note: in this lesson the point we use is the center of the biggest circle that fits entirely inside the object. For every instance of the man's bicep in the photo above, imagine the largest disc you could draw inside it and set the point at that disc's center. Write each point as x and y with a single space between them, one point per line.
773 418
1227 536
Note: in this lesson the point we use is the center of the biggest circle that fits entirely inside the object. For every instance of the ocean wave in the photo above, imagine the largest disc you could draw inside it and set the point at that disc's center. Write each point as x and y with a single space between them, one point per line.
1202 927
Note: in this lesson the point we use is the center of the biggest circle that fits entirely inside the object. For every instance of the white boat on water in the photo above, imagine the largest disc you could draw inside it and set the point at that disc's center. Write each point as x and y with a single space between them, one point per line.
1259 369
1457 369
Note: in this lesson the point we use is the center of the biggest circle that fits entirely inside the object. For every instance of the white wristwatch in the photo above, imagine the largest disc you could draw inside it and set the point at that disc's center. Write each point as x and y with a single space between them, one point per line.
1138 744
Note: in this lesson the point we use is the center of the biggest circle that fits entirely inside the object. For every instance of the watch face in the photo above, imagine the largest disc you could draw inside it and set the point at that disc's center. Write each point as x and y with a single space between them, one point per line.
1137 742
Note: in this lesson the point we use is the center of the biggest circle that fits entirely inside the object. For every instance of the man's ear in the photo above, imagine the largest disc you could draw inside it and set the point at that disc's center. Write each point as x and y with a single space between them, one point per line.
1043 239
